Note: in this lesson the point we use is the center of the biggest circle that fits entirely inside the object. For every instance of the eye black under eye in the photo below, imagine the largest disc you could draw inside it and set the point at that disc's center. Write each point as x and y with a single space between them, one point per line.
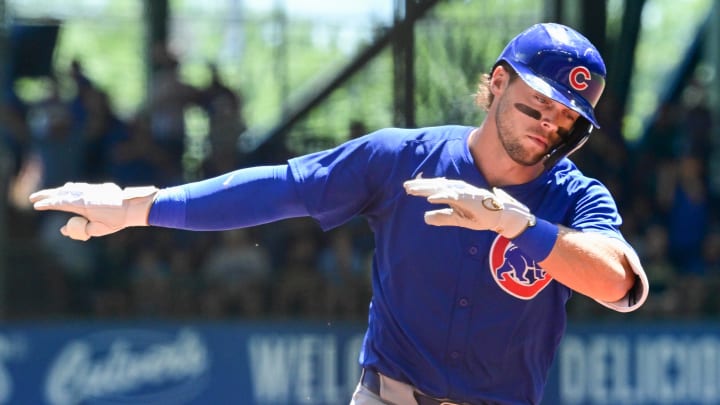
529 111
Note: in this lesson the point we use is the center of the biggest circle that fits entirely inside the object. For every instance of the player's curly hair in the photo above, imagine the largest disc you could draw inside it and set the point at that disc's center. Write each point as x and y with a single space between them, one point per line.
483 96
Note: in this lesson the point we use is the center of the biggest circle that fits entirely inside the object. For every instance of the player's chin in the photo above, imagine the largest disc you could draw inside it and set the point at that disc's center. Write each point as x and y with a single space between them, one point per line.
533 155
528 160
528 154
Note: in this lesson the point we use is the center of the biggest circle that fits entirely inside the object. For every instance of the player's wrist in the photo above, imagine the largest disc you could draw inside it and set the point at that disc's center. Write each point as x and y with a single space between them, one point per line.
138 200
538 239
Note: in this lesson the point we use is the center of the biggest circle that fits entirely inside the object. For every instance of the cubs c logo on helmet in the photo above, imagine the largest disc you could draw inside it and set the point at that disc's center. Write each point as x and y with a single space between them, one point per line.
579 76
515 273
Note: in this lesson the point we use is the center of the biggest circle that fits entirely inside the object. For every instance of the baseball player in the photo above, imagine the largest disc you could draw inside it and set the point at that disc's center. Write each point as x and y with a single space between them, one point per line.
482 233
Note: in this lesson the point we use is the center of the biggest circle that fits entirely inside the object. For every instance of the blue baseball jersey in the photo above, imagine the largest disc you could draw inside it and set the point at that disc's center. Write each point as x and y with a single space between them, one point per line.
457 313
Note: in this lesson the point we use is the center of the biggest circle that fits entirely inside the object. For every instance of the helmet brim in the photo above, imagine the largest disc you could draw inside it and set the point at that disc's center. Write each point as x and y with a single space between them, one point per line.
555 91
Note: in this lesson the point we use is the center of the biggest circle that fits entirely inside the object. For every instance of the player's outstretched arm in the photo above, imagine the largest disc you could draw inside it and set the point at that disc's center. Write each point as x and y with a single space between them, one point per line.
100 209
590 263
241 198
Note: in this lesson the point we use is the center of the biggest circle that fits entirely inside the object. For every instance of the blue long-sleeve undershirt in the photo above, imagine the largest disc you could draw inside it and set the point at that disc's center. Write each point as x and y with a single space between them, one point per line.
242 198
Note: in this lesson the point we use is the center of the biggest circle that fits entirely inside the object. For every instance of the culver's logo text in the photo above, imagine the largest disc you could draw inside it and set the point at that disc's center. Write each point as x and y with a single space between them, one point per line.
130 367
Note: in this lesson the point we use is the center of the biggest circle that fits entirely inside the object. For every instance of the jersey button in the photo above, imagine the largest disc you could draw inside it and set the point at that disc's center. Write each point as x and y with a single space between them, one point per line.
473 250
464 302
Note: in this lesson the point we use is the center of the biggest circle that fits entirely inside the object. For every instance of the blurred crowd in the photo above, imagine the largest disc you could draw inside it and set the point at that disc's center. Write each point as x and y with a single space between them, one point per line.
284 269
663 185
291 268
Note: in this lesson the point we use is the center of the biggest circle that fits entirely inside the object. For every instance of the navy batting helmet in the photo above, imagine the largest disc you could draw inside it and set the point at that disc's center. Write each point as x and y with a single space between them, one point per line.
562 64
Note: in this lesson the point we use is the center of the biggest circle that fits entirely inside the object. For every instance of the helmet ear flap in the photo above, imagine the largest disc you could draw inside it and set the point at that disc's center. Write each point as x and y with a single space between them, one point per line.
575 139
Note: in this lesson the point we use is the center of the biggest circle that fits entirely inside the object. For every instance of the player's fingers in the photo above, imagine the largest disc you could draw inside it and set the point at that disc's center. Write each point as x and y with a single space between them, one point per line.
443 217
425 187
42 194
444 197
420 190
76 228
95 229
506 199
58 204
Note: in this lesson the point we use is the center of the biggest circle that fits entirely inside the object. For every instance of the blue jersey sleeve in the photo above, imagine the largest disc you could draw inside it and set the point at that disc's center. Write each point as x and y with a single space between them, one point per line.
332 186
349 180
241 198
596 210
572 199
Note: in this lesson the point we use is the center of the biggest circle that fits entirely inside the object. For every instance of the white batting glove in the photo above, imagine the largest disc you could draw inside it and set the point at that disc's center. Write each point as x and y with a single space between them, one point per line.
472 207
101 209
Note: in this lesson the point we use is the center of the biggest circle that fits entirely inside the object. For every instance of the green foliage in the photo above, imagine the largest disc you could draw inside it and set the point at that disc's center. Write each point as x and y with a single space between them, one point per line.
455 46
106 37
112 56
277 76
284 60
449 59
667 31
275 61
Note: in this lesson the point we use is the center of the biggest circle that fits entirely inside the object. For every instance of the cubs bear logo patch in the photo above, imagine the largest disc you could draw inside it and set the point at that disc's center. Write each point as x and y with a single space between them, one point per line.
515 273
